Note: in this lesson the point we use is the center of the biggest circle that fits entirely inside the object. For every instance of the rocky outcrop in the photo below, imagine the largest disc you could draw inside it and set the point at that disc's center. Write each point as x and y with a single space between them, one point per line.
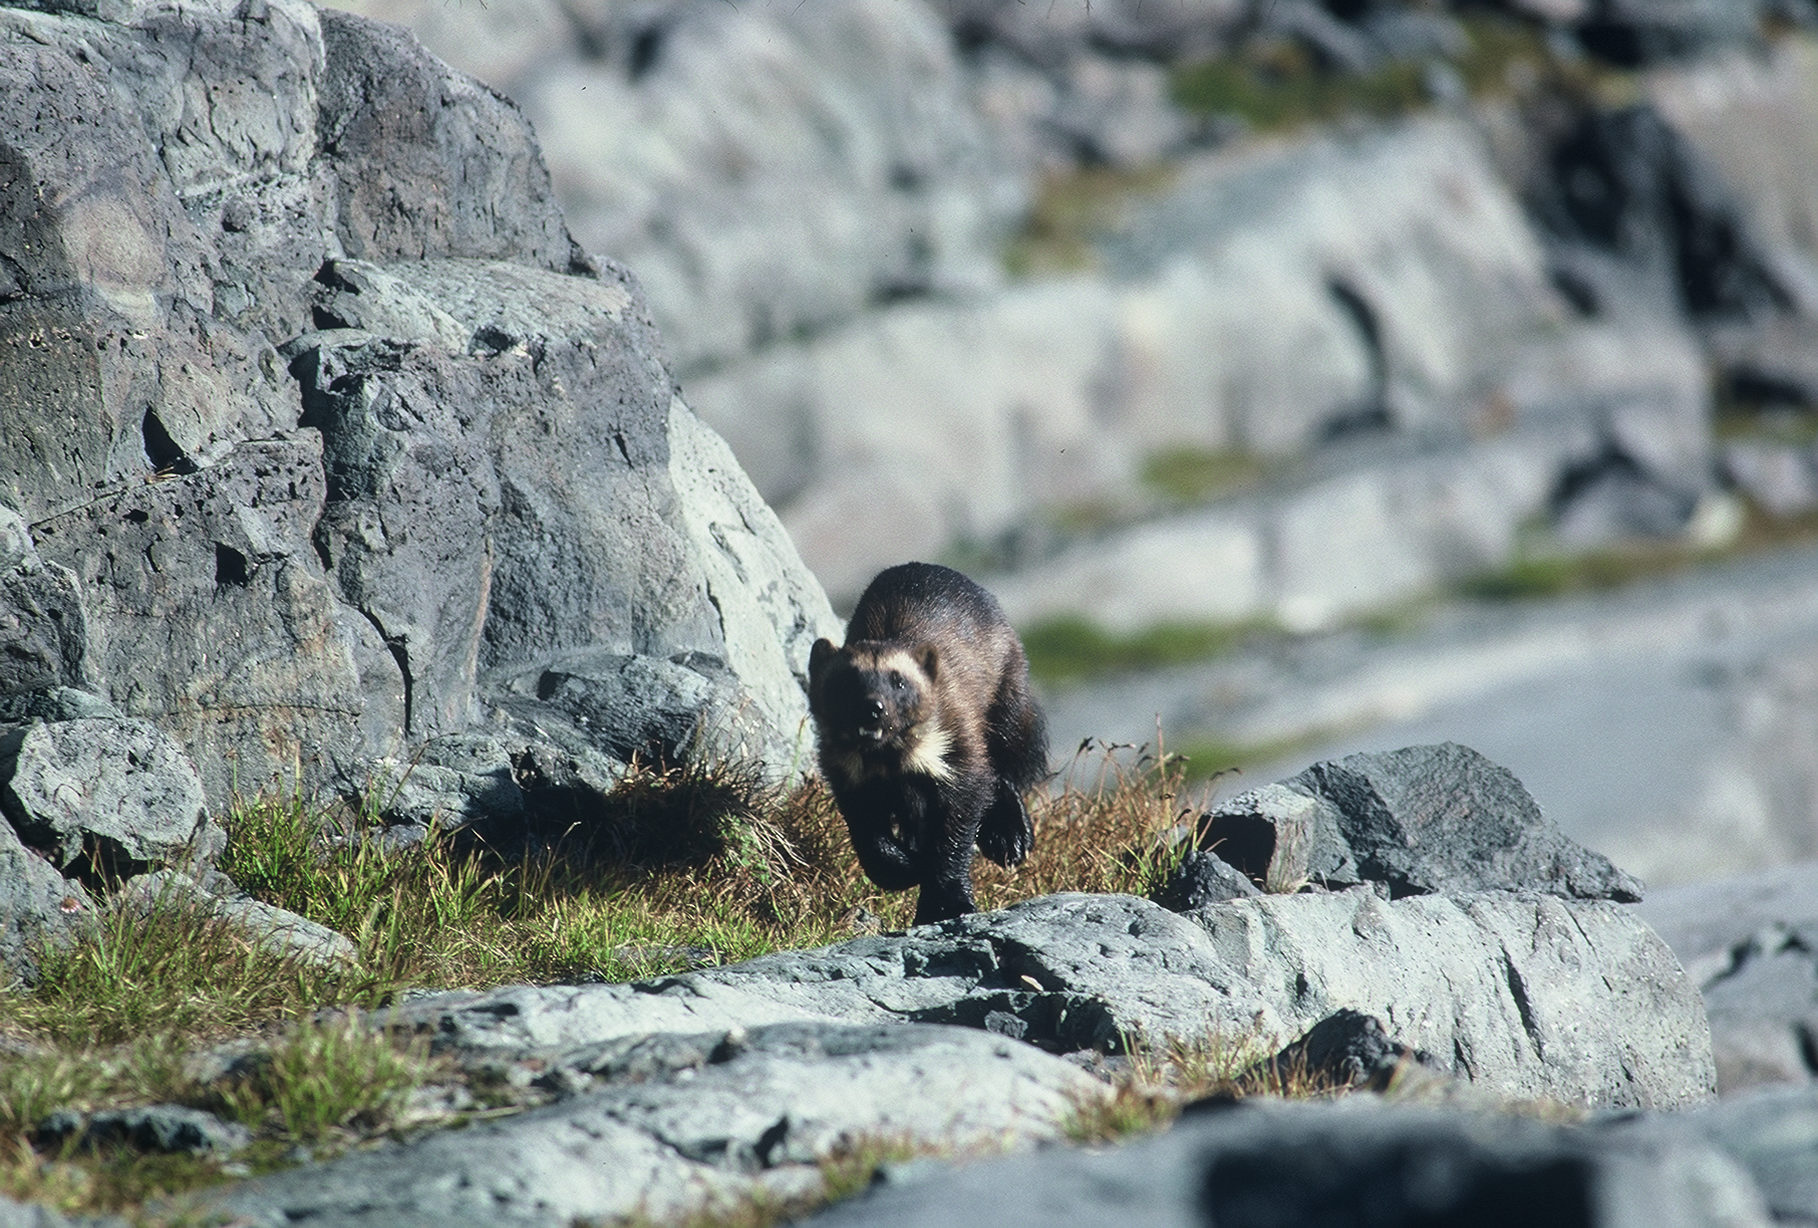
1522 271
740 1081
659 1125
325 442
1423 820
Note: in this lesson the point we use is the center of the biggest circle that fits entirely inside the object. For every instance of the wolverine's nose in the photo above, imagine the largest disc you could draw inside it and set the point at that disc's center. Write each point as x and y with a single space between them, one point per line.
875 710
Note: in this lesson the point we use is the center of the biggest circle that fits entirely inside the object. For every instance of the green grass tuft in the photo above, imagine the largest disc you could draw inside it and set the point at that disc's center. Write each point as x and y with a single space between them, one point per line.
326 1077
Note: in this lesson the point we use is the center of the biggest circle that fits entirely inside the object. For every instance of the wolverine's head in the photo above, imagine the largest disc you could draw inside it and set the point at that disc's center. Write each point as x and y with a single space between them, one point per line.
873 705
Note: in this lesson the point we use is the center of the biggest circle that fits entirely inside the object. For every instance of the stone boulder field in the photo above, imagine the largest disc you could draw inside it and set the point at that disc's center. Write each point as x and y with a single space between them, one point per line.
332 466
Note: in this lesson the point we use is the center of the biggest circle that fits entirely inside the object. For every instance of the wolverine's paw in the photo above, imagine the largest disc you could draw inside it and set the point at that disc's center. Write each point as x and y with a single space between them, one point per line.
1005 834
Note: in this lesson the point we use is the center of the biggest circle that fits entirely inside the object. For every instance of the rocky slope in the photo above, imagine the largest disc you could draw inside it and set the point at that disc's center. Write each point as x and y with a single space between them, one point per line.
1524 288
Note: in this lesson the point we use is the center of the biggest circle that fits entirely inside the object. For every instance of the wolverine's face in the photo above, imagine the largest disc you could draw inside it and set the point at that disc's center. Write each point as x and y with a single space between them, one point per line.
867 698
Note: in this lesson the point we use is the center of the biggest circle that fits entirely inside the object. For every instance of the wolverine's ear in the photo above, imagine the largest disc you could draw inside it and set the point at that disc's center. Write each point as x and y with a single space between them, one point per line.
817 656
930 658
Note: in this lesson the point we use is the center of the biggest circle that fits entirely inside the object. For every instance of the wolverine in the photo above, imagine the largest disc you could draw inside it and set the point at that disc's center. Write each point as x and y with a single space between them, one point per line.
928 734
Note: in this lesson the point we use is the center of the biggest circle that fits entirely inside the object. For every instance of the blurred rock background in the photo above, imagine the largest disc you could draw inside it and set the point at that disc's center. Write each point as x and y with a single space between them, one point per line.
1268 357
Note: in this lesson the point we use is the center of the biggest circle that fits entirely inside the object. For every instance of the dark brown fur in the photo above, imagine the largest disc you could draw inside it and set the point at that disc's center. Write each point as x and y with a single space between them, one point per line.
928 734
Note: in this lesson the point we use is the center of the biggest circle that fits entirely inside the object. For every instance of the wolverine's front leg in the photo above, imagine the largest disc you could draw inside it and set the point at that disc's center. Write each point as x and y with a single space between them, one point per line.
947 887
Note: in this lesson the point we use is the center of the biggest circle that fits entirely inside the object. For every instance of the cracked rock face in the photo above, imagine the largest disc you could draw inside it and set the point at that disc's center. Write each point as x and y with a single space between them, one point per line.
322 438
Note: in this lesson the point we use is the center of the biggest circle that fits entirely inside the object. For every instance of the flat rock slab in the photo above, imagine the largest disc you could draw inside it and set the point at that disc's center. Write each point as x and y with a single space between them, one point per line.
1531 996
674 1125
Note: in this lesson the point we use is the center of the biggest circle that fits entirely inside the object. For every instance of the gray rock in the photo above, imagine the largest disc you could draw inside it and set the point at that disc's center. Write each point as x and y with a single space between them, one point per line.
1383 245
277 930
1625 184
1500 987
161 1128
1638 32
59 703
452 782
1773 1134
1520 969
43 632
1203 878
510 566
112 793
857 169
1781 479
37 907
661 1127
1419 820
1773 367
1262 1164
1752 115
661 710
1750 943
1344 1050
429 163
1244 309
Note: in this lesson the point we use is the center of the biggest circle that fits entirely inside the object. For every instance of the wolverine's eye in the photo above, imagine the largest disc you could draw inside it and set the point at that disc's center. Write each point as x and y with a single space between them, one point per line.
896 680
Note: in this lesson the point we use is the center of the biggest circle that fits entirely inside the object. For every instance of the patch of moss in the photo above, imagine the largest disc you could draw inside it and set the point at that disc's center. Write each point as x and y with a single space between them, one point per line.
1188 475
1073 208
1274 85
1070 648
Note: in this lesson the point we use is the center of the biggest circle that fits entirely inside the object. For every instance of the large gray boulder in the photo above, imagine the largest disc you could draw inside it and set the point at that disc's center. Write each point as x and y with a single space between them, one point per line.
1419 820
1532 996
362 441
112 794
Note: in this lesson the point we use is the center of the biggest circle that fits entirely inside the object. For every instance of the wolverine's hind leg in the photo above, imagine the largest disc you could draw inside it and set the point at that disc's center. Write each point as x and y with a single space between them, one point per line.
1005 834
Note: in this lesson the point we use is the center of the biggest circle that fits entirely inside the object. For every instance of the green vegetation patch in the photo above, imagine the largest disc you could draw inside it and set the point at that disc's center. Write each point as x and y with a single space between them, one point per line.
1188 475
1070 648
1274 85
1071 209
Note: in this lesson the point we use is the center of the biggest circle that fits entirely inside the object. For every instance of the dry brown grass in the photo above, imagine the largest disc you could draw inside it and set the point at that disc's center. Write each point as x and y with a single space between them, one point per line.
1111 820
